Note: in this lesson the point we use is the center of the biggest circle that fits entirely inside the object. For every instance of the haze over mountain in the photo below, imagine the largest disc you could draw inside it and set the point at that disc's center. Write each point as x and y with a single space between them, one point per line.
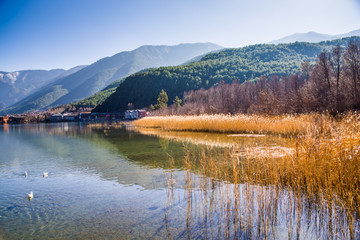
14 86
100 74
313 37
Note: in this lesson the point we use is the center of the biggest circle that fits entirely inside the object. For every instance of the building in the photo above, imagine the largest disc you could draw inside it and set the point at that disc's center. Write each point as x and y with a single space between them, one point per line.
70 117
56 118
16 119
142 113
135 114
84 116
66 117
95 117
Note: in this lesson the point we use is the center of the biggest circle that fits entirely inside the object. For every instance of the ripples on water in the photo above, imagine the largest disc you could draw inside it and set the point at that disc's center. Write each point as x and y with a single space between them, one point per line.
113 183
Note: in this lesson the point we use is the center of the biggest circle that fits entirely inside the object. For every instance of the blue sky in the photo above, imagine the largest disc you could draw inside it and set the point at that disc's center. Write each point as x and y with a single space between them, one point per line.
46 34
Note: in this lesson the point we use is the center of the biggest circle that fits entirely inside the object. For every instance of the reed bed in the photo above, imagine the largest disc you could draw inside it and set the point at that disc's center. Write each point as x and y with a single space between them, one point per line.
312 193
306 195
242 123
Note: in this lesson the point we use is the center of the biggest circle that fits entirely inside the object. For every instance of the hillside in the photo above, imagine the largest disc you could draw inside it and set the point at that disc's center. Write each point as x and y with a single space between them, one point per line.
314 37
14 86
99 97
241 64
100 74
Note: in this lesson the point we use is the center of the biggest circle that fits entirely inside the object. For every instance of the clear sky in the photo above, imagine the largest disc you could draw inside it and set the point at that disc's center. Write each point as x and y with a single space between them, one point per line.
46 34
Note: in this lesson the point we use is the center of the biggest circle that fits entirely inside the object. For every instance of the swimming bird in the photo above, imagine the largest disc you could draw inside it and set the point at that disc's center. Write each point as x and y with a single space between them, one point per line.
30 195
26 174
45 174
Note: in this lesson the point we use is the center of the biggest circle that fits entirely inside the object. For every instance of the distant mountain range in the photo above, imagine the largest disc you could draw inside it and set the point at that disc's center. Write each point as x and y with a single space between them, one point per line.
30 90
17 85
313 37
93 78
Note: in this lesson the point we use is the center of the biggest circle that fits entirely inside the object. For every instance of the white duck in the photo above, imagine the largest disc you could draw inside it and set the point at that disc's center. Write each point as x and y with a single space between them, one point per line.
45 174
30 195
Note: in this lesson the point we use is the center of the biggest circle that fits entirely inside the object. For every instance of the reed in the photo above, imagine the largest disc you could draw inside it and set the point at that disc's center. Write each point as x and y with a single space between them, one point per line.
312 192
315 194
242 123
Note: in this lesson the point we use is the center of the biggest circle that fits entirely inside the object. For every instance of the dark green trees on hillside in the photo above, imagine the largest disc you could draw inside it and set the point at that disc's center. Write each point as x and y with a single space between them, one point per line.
331 84
162 100
177 102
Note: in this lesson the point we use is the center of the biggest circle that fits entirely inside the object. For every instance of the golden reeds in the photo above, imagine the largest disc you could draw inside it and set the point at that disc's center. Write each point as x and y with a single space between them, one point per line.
242 123
314 193
314 190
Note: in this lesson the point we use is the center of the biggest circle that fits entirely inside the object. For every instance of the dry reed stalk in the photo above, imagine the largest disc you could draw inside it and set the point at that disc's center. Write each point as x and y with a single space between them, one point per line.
258 203
318 185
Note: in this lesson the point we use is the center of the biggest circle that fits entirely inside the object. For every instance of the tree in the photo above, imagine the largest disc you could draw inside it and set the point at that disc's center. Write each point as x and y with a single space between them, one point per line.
335 60
306 69
162 100
352 58
320 84
130 106
323 62
152 107
177 102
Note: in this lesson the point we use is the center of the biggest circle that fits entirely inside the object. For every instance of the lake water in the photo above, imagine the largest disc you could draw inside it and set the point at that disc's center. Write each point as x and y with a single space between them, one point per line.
124 183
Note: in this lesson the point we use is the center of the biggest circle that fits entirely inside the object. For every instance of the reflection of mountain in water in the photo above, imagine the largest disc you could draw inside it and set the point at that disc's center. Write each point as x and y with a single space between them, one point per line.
196 207
131 157
127 157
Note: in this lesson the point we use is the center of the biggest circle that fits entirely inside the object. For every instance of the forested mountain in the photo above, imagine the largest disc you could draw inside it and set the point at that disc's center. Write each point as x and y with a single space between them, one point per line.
99 97
14 86
100 74
241 64
331 85
314 37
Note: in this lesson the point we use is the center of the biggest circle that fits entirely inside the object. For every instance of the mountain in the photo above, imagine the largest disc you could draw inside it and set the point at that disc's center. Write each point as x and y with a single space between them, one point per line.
99 97
14 86
314 37
100 74
240 64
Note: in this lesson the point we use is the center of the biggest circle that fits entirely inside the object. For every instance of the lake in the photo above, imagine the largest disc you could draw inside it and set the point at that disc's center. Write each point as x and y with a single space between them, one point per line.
120 182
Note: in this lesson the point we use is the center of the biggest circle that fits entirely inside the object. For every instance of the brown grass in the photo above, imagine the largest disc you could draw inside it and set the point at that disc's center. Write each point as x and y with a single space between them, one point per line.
315 190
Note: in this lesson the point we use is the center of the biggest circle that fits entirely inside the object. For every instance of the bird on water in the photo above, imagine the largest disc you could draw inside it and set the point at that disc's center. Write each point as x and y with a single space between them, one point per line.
30 195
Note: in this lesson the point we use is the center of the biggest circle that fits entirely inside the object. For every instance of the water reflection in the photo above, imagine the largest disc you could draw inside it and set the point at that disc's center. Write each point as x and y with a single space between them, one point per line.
117 182
249 206
116 155
93 190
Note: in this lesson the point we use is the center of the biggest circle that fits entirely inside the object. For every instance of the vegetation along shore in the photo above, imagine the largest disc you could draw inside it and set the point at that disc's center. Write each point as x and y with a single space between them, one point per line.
317 178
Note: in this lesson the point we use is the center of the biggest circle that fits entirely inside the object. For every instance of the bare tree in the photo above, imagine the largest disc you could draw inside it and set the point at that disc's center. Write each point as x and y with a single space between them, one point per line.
352 59
306 69
335 61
